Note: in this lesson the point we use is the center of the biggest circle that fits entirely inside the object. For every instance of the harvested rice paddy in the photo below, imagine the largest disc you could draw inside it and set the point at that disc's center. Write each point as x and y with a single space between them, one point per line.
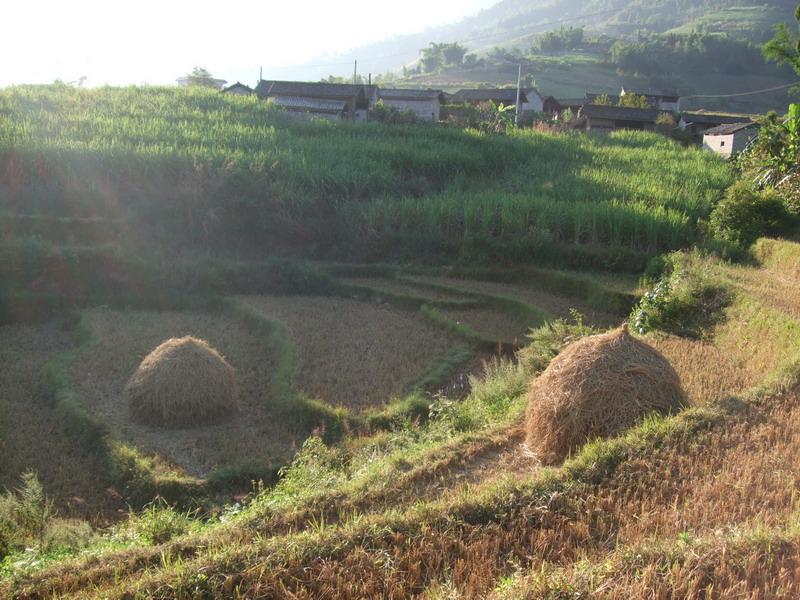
394 286
492 324
31 436
123 338
352 353
558 306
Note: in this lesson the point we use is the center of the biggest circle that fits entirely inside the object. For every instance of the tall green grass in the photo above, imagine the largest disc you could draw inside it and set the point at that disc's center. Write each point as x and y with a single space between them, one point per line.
192 166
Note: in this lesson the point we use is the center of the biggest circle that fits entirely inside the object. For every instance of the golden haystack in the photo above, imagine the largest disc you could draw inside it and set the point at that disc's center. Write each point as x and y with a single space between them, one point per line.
596 387
182 383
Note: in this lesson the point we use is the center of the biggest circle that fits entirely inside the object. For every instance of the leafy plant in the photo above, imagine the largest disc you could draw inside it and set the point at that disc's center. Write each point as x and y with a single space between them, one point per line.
158 523
743 215
549 339
687 300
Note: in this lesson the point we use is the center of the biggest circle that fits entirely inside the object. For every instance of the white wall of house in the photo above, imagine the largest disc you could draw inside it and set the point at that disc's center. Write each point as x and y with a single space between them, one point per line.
727 145
427 110
535 103
360 115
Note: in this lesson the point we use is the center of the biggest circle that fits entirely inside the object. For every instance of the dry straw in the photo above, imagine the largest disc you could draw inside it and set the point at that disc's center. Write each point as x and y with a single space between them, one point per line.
596 387
182 383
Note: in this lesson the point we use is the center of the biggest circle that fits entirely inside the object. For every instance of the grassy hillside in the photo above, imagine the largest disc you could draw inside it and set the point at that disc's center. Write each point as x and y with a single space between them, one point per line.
515 23
163 168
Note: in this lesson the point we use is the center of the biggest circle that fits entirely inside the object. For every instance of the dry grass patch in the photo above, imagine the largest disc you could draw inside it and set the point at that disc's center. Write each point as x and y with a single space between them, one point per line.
744 473
31 437
353 353
558 306
778 290
124 338
706 372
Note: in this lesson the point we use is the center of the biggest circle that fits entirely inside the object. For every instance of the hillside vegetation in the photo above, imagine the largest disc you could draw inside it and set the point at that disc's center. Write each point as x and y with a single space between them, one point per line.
163 168
384 296
508 34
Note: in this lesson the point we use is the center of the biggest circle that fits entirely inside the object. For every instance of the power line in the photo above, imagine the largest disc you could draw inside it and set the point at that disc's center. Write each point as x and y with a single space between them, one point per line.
772 89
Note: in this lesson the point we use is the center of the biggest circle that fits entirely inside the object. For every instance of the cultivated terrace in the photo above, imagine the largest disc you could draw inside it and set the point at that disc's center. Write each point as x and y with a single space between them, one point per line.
250 356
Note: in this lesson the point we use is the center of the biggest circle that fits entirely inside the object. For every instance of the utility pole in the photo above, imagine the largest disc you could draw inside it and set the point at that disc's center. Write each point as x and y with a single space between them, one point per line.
355 72
260 73
519 90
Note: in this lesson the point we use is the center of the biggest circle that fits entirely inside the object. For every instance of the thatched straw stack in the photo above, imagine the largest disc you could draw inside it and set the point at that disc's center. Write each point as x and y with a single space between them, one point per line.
182 383
596 387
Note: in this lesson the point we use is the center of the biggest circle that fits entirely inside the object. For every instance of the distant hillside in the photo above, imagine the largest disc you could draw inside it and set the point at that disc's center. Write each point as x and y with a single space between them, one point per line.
514 22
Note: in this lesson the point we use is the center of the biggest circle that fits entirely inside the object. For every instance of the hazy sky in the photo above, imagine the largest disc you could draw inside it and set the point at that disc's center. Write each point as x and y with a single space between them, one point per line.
150 41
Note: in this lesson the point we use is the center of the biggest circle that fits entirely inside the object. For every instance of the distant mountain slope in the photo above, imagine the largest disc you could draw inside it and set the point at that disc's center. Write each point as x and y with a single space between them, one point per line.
511 22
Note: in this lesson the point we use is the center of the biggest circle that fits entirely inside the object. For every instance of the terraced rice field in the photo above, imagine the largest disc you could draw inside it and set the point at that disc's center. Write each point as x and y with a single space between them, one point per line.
352 353
492 324
558 306
123 338
31 436
399 287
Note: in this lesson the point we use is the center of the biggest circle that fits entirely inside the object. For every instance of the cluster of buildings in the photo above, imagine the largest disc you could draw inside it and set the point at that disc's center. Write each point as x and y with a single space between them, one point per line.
721 133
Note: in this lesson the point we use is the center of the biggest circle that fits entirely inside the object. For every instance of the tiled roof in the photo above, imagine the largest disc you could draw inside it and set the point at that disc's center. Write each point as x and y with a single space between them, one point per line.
504 95
729 128
713 119
344 91
619 113
409 94
237 85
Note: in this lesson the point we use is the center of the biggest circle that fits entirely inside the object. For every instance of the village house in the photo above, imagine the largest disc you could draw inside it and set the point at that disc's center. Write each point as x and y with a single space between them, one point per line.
530 101
697 123
603 119
425 104
344 101
238 89
727 140
535 101
555 106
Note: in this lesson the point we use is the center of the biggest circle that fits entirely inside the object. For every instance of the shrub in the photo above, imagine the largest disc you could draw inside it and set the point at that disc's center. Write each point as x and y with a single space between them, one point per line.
744 215
687 300
27 518
158 523
390 114
549 339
